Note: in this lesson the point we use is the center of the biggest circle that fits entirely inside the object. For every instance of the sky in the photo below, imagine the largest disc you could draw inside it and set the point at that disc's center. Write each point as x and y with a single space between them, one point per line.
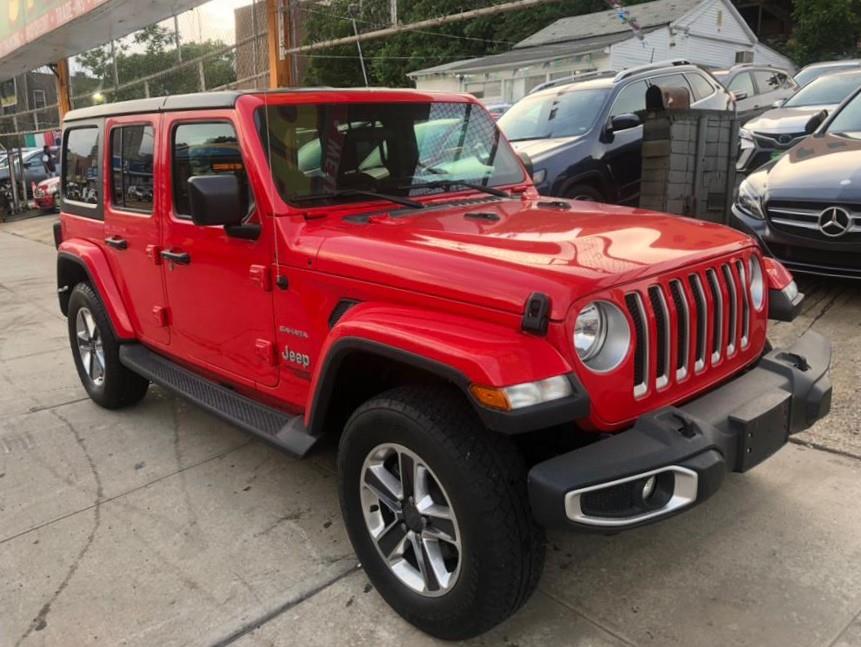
213 20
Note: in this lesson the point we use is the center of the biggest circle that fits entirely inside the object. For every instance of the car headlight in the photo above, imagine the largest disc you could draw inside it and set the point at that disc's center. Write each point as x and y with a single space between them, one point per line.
757 283
749 200
745 138
601 336
539 175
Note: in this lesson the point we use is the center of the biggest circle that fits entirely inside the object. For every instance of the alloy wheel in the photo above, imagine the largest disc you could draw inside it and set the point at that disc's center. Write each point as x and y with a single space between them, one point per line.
410 519
90 346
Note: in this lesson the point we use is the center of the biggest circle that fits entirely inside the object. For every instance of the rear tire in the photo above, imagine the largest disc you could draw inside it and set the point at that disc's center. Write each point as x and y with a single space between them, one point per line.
95 349
585 192
479 544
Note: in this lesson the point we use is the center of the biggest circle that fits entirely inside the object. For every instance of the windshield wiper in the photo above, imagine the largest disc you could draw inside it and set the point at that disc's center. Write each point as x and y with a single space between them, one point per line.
447 184
347 193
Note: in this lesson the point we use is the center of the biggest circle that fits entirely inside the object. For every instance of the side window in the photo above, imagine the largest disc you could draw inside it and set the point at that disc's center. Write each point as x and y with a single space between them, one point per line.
132 168
630 99
742 83
701 87
204 149
672 81
768 80
81 166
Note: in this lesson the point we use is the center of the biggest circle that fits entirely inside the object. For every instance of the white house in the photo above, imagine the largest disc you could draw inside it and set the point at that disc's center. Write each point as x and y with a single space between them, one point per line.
708 32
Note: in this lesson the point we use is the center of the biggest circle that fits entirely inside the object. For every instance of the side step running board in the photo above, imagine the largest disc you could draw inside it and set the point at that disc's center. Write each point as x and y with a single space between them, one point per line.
283 430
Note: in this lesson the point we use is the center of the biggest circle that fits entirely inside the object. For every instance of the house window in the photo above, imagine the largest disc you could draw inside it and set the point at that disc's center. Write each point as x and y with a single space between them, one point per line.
39 99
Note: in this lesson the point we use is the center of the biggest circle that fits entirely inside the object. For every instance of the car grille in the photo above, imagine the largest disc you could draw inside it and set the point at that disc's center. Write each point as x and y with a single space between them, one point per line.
802 219
688 324
778 142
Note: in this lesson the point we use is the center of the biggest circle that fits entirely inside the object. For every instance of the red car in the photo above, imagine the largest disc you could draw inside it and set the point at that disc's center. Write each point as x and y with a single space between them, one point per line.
377 266
45 194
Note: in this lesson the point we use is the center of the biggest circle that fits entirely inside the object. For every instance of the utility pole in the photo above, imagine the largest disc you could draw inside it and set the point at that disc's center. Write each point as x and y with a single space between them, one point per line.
177 38
280 73
353 10
116 70
64 93
393 10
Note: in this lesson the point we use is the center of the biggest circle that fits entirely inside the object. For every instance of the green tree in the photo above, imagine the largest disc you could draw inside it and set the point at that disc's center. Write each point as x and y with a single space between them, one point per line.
154 52
825 29
390 59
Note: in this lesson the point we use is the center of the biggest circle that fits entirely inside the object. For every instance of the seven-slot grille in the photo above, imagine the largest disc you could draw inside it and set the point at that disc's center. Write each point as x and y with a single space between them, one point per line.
688 323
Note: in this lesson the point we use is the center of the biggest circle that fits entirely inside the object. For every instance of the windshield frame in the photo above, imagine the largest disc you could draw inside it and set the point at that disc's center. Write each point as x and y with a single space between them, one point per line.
254 107
825 129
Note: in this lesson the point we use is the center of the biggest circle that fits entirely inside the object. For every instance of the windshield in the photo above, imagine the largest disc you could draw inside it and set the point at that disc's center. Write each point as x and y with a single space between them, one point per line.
847 122
564 114
339 150
827 90
810 74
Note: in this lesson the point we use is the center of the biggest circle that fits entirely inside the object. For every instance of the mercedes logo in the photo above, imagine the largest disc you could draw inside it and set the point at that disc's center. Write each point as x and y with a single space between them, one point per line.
834 221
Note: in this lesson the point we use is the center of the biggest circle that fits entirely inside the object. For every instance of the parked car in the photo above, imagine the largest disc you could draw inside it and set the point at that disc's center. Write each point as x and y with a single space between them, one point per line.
812 72
804 207
45 194
493 363
584 139
777 130
756 87
496 110
34 169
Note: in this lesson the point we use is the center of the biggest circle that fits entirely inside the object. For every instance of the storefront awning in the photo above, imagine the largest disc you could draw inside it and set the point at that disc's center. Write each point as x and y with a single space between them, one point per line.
37 33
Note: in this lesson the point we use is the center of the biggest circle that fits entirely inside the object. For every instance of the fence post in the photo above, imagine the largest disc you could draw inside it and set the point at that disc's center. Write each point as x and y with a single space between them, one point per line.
201 71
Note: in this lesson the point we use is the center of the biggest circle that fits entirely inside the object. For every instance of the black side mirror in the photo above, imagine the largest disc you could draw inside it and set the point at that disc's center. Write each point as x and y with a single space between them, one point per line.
527 163
215 200
815 121
624 122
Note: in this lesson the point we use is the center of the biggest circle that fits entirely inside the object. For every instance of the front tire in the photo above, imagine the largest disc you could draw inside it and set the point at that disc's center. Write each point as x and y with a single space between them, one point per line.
585 192
437 510
95 349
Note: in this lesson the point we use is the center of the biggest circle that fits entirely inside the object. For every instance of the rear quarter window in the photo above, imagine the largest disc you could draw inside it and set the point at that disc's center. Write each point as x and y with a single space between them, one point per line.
700 86
81 178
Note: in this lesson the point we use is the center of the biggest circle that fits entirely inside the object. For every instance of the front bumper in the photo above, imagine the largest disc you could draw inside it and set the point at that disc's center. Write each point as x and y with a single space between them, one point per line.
687 449
799 254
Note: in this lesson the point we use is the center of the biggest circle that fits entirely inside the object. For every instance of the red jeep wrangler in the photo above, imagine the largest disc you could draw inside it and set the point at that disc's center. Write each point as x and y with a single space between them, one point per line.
378 266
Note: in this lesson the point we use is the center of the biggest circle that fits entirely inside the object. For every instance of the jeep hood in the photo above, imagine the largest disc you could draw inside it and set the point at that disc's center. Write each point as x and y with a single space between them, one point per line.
495 254
784 120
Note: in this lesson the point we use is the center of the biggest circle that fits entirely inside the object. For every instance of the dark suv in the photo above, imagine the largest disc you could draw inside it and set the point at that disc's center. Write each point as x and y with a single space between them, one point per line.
584 138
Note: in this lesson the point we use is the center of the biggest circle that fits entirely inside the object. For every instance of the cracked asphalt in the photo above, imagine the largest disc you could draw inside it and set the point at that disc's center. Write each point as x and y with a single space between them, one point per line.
161 525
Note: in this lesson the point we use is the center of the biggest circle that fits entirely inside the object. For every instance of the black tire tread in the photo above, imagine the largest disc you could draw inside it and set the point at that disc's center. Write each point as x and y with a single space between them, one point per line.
498 479
122 387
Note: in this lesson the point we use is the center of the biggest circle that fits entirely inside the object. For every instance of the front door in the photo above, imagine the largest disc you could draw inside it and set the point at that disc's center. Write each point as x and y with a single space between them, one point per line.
218 286
131 228
623 153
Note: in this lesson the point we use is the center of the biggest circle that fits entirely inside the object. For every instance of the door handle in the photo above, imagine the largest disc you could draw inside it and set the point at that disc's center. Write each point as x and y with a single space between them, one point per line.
117 243
180 258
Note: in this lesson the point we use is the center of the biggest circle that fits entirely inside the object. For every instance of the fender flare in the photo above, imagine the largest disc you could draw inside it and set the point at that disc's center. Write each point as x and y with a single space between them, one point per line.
456 349
91 259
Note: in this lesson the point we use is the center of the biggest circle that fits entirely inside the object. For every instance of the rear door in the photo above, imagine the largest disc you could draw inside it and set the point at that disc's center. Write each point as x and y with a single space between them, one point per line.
218 286
132 228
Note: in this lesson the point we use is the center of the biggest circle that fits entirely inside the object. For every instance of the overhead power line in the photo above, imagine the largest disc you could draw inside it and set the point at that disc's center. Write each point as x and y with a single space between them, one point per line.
422 24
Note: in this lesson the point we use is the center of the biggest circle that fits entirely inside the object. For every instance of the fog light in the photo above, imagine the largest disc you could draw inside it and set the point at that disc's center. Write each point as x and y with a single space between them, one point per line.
648 488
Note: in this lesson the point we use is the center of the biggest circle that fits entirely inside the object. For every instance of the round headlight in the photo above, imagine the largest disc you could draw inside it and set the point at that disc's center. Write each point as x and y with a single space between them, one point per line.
757 283
601 336
589 331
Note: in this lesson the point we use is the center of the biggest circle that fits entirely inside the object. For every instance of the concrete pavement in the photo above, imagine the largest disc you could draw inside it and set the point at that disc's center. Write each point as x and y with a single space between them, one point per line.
161 525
